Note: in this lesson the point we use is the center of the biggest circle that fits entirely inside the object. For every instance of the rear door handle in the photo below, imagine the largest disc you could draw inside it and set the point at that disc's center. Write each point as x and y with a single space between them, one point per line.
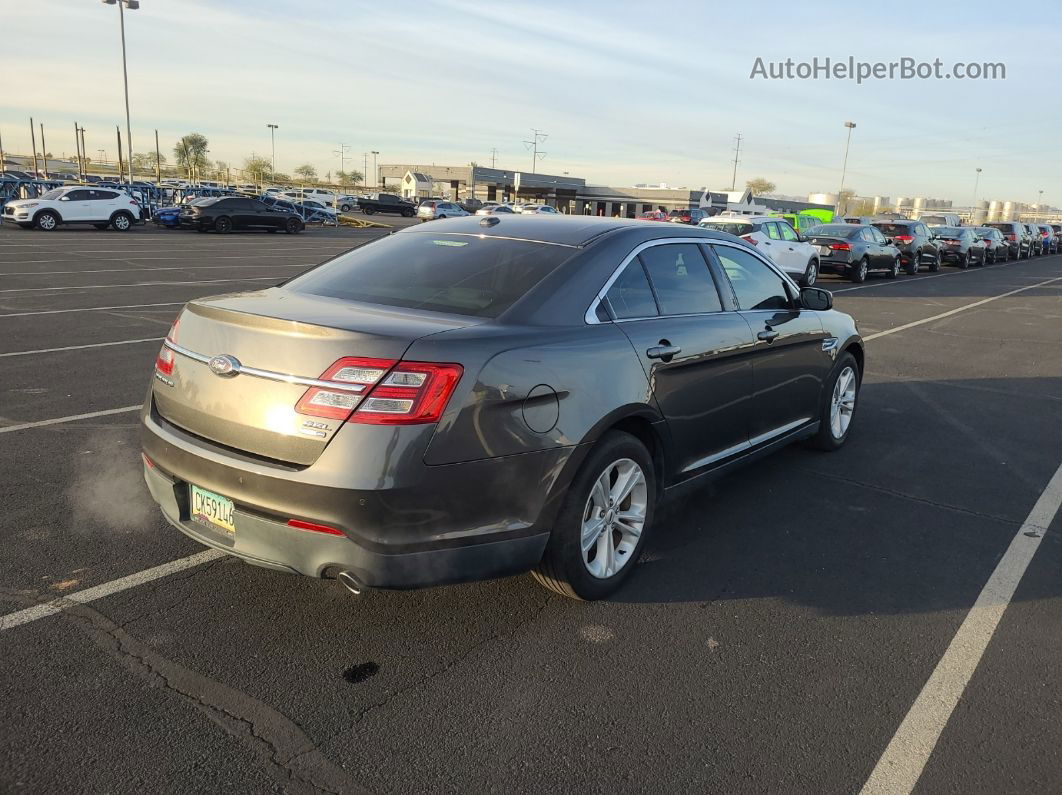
768 335
663 351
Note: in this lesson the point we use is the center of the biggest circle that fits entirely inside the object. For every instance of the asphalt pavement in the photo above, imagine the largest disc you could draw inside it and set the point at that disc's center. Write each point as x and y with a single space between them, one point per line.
777 637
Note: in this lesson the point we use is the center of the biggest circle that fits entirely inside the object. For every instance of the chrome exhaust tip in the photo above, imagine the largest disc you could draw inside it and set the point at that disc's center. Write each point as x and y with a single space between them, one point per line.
351 582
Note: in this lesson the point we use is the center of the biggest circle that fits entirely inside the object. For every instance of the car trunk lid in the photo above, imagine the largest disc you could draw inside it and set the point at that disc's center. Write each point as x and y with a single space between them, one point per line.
276 340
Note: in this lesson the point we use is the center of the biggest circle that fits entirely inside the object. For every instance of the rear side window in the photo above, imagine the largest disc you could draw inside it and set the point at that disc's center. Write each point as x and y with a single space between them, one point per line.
681 280
463 275
755 285
772 231
630 295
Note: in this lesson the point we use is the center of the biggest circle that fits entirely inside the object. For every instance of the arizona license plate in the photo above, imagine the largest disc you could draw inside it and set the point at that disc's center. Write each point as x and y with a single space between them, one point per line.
213 510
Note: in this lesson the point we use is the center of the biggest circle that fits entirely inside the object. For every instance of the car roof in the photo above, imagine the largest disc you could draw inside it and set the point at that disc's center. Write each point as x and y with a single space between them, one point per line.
566 230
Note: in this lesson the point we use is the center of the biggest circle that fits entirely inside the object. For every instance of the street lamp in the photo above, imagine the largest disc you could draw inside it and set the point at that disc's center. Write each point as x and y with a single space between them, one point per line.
132 5
376 171
273 146
844 167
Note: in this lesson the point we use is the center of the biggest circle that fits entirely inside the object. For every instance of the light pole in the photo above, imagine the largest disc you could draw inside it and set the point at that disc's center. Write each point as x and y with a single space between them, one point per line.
273 148
376 171
973 207
1039 201
132 5
844 167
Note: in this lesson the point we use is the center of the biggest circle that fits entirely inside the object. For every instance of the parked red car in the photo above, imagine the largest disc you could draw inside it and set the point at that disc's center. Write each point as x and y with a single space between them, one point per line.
654 215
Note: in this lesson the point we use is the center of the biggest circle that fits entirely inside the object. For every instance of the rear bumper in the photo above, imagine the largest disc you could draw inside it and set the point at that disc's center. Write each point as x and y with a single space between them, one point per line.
443 524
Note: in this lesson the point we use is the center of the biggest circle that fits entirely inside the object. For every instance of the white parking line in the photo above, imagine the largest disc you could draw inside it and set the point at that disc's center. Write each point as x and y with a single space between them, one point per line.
89 309
72 418
106 589
951 312
80 347
137 284
905 758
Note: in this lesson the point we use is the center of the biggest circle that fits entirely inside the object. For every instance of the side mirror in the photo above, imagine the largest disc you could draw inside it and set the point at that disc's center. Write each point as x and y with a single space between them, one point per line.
814 298
800 238
64 198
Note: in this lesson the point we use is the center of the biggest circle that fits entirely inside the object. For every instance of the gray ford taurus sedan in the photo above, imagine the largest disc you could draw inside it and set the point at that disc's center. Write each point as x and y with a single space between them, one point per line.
481 397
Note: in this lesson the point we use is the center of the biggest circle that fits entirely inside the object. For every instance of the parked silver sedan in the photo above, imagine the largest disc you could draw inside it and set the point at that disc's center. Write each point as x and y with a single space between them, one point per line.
432 210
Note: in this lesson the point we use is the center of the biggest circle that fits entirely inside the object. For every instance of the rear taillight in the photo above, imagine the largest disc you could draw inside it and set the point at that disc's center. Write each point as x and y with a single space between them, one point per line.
840 247
903 238
749 239
1012 238
164 361
403 393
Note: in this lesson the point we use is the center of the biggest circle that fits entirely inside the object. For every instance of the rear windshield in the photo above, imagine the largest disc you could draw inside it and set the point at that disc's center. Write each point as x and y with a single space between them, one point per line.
894 229
457 274
835 230
947 231
1002 225
738 228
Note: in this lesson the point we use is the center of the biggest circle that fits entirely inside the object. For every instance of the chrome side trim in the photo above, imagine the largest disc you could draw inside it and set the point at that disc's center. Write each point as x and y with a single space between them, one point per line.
755 441
269 375
590 317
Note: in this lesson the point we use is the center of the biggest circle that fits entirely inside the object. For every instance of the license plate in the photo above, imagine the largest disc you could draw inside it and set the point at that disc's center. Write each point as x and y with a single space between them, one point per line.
213 510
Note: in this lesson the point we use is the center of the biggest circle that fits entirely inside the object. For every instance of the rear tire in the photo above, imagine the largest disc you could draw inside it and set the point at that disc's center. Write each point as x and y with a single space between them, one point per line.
407 213
839 398
963 261
934 266
369 210
894 271
223 225
46 221
292 227
913 263
858 272
811 274
589 518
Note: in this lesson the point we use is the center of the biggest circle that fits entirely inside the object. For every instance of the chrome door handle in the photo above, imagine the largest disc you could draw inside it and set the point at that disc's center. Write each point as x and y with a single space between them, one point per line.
663 351
768 335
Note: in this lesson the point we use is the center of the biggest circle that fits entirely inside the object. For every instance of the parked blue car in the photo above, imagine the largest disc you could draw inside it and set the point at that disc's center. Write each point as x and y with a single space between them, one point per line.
167 216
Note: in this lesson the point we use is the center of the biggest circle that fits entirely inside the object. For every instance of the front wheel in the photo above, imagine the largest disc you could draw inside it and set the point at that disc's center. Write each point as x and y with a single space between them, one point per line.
934 266
913 263
964 261
47 221
223 225
292 227
894 271
839 404
601 528
858 272
122 222
369 210
407 213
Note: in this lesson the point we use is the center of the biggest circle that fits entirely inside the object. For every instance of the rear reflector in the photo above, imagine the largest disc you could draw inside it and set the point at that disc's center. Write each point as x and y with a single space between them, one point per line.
298 524
411 392
147 461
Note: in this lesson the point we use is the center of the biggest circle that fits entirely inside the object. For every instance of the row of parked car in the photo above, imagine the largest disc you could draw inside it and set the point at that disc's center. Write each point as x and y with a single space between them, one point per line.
857 247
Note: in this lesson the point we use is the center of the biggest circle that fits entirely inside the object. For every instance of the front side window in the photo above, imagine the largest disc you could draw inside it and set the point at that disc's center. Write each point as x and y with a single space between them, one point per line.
755 285
630 295
681 280
787 232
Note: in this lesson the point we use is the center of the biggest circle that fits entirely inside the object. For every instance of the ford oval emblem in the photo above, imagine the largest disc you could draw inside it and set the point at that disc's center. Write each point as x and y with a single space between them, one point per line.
226 366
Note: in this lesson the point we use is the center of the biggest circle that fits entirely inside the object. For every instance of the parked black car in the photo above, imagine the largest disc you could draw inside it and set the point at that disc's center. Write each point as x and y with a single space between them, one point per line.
488 395
1037 239
997 247
960 245
386 203
915 242
225 213
1017 236
854 250
1057 230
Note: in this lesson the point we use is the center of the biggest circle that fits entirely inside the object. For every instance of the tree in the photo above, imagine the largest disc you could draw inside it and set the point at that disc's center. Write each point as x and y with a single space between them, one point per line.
146 161
349 177
191 152
257 168
306 172
760 186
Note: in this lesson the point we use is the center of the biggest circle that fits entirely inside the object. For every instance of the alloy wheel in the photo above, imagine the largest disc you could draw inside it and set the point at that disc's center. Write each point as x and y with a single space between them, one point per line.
842 404
613 518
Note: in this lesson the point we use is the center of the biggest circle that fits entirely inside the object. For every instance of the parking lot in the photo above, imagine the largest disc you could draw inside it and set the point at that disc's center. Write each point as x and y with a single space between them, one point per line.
778 632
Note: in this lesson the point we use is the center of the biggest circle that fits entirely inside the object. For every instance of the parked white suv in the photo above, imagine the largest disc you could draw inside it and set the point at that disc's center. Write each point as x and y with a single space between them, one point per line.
101 207
774 237
436 208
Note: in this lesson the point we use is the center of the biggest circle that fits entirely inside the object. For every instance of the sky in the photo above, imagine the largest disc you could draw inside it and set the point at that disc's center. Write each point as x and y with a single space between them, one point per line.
628 92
